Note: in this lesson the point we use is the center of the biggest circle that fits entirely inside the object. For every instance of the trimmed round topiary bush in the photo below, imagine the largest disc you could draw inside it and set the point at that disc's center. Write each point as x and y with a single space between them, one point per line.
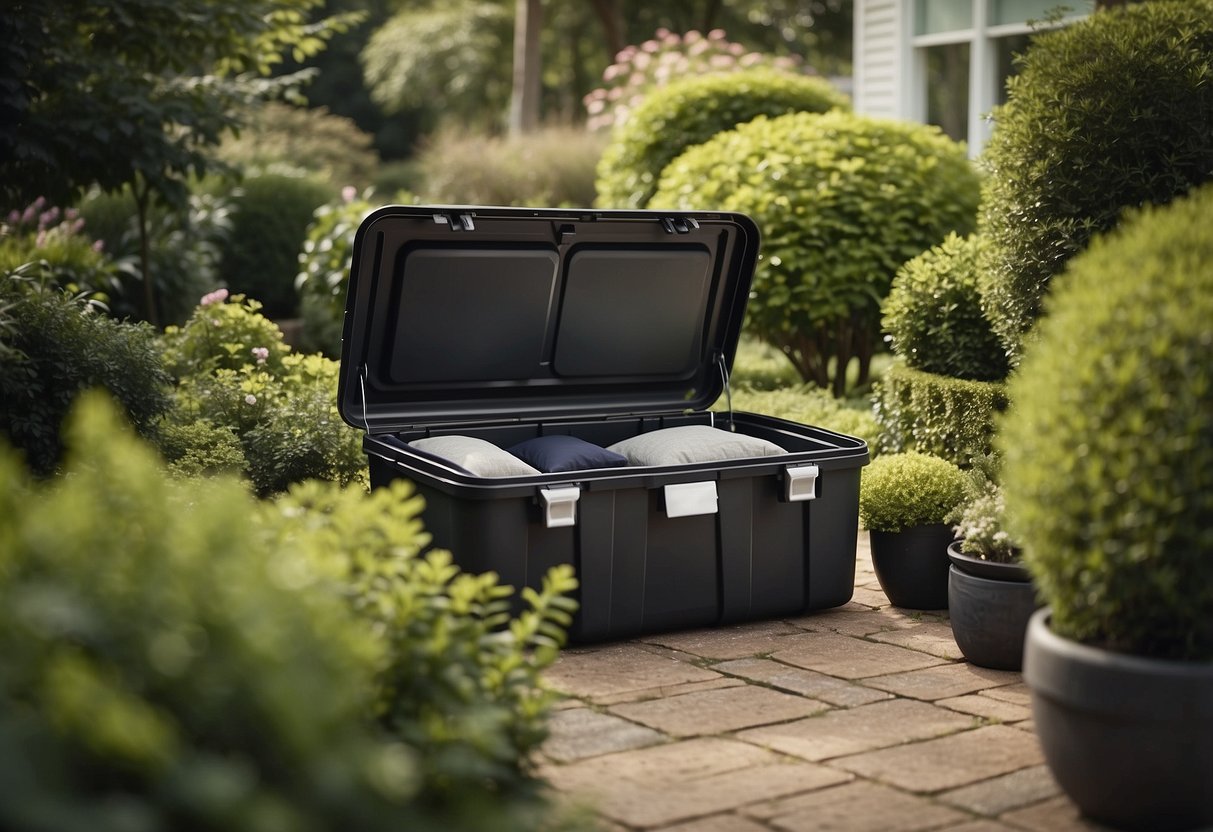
901 491
270 216
1109 442
933 314
1112 112
690 111
843 201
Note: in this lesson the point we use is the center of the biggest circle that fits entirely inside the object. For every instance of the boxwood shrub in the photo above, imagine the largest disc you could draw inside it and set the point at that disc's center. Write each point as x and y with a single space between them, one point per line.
690 111
1112 112
1109 443
843 201
901 491
933 314
948 417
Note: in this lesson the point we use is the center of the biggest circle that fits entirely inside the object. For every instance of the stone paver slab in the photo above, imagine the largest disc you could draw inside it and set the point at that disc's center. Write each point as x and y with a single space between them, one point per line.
1002 794
841 732
870 597
934 637
948 762
805 682
856 620
1017 694
1057 814
619 668
987 708
718 711
660 764
729 642
856 807
718 823
851 658
576 734
669 690
980 826
942 681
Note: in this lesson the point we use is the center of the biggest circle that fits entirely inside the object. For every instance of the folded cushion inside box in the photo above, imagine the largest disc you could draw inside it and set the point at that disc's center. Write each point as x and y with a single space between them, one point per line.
476 456
692 443
558 453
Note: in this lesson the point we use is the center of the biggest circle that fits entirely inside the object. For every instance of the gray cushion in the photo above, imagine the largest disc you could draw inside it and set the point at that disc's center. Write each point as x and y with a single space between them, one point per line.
484 459
692 443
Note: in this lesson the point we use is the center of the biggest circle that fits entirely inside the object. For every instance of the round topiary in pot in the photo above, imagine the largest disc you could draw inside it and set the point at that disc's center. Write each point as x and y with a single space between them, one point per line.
690 111
1112 112
843 201
904 500
1109 485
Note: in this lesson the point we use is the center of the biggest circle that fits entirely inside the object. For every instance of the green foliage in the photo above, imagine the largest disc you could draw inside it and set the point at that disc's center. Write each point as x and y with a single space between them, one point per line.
690 111
843 201
184 250
553 167
809 406
980 521
222 335
933 314
1112 112
900 491
180 656
270 216
61 346
639 69
1109 443
278 136
446 57
761 366
324 272
200 449
460 685
55 239
947 417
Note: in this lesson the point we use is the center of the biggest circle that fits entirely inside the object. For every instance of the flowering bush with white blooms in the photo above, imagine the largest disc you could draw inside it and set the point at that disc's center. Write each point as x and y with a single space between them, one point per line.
666 57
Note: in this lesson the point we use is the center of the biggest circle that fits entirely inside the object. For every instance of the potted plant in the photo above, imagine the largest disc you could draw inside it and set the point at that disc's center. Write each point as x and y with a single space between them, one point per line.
1108 476
990 592
903 502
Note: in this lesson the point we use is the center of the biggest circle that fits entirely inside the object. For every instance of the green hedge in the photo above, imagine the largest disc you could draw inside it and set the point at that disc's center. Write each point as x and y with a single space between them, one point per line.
843 201
933 314
946 417
1109 444
905 490
1112 112
808 406
690 111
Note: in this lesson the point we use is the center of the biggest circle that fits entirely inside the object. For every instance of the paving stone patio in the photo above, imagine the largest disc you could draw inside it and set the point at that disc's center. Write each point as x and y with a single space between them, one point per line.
861 718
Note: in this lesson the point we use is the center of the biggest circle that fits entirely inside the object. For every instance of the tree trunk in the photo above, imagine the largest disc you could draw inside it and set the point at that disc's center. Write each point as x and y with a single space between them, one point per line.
142 192
844 337
524 103
612 25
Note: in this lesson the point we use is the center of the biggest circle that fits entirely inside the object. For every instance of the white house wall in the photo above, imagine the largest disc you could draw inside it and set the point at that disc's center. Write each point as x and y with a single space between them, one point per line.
880 58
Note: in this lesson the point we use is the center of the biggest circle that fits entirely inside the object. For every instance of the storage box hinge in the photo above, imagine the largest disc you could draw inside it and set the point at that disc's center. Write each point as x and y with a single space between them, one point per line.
800 483
366 422
559 505
679 225
728 393
457 222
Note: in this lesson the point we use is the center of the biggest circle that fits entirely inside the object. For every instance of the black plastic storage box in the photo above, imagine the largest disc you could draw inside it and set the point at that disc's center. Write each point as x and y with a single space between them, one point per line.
507 324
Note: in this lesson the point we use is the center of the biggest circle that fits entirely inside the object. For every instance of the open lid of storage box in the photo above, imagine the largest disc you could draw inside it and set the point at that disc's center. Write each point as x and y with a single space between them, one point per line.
465 314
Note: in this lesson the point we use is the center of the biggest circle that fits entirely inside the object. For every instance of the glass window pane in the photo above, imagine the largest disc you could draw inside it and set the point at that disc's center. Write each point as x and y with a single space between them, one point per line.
1005 50
943 16
948 88
1021 11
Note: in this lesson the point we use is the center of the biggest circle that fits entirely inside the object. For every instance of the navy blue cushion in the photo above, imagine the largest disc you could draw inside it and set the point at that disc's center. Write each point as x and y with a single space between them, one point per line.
557 453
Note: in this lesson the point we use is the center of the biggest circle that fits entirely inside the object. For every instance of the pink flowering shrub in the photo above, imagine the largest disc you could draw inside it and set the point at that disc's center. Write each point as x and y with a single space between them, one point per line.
666 57
44 233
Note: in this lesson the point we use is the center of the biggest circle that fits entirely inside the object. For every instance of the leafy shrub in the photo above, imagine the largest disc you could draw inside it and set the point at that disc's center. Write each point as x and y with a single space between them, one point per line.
690 111
901 491
185 247
460 686
324 272
667 56
553 167
843 201
1111 112
74 260
809 406
200 449
223 335
1109 443
270 217
279 136
933 314
947 417
980 521
760 366
181 656
62 346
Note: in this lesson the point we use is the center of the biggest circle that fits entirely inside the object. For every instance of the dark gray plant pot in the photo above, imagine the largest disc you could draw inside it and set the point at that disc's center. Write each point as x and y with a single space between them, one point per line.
912 565
989 605
1128 738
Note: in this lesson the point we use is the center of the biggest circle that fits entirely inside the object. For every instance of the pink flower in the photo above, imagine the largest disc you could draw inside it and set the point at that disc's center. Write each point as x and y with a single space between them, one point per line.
348 193
217 296
98 246
716 34
261 354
